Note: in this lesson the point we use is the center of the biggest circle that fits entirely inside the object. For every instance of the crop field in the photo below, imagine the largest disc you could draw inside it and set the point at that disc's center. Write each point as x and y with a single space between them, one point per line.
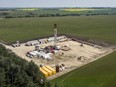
92 27
28 9
100 73
83 9
77 9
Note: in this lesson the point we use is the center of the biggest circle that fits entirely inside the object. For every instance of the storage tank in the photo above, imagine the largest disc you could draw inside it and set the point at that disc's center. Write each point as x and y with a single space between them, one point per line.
57 68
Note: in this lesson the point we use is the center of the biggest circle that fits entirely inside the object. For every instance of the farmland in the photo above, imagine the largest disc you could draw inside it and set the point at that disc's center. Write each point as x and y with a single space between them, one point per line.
90 27
28 9
77 9
101 73
53 12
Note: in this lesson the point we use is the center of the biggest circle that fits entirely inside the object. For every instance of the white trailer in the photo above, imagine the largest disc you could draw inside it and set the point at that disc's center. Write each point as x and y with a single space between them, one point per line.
32 43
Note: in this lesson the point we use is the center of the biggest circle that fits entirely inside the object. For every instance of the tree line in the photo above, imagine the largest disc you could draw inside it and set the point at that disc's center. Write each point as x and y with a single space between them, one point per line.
17 72
32 14
56 15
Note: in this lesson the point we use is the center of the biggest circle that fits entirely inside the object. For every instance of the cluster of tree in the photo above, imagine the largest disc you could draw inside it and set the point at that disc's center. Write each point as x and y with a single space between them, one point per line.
56 15
4 13
8 9
42 15
17 72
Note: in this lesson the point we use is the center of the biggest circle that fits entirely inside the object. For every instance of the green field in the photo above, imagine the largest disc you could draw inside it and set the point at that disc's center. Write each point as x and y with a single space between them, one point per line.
101 73
93 27
53 12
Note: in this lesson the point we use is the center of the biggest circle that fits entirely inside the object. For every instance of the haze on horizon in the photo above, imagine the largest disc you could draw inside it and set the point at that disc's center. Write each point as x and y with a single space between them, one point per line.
57 3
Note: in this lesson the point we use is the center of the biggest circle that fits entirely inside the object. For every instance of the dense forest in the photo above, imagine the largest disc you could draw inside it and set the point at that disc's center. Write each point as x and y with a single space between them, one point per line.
17 72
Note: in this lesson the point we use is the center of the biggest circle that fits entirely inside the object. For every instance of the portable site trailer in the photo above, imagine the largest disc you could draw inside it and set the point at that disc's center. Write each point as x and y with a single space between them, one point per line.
31 54
61 37
51 69
41 54
50 39
17 44
47 70
43 41
32 43
44 72
47 56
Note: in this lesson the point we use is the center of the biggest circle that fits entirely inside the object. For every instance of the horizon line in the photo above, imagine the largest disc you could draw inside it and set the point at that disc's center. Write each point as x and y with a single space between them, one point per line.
58 7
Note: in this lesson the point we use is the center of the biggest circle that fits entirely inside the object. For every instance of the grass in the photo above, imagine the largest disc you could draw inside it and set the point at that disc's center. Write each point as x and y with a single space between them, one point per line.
101 73
94 27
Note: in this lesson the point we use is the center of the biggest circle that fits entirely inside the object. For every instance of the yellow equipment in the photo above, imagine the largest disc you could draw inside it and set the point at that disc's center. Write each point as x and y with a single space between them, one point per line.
47 70
44 72
51 69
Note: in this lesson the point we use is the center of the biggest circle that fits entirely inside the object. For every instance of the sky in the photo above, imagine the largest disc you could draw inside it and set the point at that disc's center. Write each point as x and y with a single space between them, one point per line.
57 3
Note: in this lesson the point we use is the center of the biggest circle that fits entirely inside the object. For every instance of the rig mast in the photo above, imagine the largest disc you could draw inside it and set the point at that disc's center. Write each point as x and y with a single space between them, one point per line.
55 34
